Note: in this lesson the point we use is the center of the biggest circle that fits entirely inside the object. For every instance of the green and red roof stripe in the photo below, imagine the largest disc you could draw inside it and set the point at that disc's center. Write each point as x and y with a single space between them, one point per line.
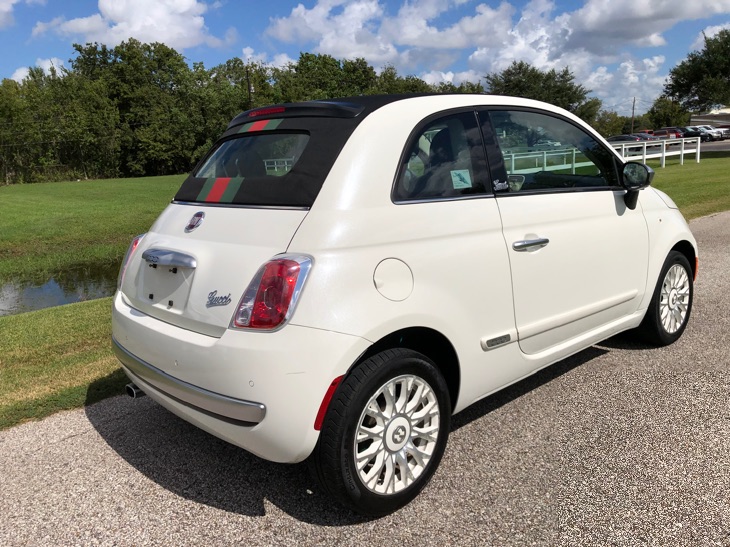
220 190
260 125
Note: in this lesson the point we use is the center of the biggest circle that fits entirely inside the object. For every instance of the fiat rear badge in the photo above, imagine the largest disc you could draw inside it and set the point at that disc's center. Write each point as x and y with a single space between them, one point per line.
196 221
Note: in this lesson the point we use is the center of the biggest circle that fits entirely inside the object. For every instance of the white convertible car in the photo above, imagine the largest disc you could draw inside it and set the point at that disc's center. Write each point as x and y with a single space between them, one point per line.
337 278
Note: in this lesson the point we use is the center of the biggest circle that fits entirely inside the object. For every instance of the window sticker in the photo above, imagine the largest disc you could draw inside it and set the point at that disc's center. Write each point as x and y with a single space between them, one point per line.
499 186
461 178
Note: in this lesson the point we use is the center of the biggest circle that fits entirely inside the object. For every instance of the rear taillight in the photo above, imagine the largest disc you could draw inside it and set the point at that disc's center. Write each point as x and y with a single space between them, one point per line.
132 247
272 295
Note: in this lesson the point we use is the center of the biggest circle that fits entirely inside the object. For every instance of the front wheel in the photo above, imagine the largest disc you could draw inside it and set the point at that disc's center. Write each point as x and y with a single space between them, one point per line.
384 433
671 303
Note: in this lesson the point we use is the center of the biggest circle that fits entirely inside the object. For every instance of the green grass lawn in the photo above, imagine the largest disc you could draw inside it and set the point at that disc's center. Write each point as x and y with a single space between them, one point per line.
698 189
55 227
56 359
60 358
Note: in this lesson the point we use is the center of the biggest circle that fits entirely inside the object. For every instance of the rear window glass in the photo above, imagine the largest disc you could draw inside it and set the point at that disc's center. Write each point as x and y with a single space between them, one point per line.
273 162
254 156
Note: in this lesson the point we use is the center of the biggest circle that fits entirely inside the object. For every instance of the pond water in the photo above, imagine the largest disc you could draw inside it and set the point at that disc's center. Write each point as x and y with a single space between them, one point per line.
69 287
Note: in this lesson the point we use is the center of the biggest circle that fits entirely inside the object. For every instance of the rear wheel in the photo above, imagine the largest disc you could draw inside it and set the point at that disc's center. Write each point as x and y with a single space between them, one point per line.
384 433
671 303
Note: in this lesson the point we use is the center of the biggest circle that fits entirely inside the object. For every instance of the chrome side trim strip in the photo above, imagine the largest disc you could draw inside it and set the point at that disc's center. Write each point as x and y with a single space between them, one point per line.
440 199
198 398
574 315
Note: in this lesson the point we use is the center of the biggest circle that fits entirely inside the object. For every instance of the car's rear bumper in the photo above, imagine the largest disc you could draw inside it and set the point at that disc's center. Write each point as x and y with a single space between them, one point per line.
248 412
260 391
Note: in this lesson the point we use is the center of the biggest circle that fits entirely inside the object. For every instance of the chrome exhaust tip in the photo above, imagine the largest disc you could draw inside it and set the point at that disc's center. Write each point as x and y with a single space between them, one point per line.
133 391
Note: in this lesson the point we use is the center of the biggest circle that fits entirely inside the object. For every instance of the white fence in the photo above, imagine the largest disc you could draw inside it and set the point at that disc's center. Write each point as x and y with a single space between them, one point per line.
659 149
564 158
276 165
544 160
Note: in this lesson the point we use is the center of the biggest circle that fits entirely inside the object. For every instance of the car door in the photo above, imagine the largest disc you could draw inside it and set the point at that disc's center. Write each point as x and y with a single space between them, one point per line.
578 255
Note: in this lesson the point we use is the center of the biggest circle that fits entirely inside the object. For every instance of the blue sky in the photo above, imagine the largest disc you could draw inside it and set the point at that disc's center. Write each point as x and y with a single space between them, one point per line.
620 49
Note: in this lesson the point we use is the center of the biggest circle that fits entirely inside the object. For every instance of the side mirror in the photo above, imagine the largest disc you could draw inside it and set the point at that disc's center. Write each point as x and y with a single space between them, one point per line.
634 177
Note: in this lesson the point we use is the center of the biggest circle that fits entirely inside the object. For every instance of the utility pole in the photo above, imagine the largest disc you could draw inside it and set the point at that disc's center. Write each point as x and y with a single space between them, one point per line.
633 109
248 85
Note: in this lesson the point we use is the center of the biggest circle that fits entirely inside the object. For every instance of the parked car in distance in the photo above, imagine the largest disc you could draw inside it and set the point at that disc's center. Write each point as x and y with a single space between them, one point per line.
673 132
691 132
708 136
717 134
665 134
623 138
725 129
647 136
399 266
676 131
635 137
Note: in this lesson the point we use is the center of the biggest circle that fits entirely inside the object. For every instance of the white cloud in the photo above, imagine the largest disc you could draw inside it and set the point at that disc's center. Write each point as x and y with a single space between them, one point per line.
344 29
709 32
639 79
436 77
46 64
6 10
20 74
414 26
603 28
177 23
425 38
281 60
249 55
430 37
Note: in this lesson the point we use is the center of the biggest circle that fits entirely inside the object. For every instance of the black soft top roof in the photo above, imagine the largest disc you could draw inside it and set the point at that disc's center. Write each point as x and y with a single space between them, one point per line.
343 107
328 123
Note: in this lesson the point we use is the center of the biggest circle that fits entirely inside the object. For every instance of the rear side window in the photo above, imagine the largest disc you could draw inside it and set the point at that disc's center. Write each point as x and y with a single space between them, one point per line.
444 160
272 162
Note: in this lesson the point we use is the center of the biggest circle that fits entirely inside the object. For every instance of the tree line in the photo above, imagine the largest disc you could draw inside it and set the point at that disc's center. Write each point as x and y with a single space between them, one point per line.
141 110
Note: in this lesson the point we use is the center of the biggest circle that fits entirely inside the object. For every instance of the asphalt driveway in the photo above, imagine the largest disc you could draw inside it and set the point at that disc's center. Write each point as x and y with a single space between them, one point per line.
618 445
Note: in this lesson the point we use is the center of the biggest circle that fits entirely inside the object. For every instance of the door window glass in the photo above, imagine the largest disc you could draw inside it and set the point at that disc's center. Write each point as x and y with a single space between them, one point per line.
543 152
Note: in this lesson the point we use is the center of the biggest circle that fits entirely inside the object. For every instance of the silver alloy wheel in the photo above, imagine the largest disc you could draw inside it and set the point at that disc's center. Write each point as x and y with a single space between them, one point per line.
674 299
397 434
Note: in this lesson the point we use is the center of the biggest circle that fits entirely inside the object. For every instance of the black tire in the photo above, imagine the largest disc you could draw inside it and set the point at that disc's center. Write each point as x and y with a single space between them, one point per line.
671 303
401 441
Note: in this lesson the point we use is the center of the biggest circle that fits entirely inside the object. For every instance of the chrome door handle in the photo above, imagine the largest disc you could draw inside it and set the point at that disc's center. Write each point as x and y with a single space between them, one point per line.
530 244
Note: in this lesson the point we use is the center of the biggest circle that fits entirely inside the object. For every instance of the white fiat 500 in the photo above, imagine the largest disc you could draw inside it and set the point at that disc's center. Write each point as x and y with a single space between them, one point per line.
337 278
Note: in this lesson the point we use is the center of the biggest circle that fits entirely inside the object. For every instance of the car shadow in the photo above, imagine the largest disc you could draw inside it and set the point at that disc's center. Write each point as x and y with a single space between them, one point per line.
199 467
626 340
515 391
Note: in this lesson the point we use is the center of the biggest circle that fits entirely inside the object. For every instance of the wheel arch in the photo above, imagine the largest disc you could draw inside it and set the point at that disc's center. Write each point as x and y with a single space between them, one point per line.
428 342
688 250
